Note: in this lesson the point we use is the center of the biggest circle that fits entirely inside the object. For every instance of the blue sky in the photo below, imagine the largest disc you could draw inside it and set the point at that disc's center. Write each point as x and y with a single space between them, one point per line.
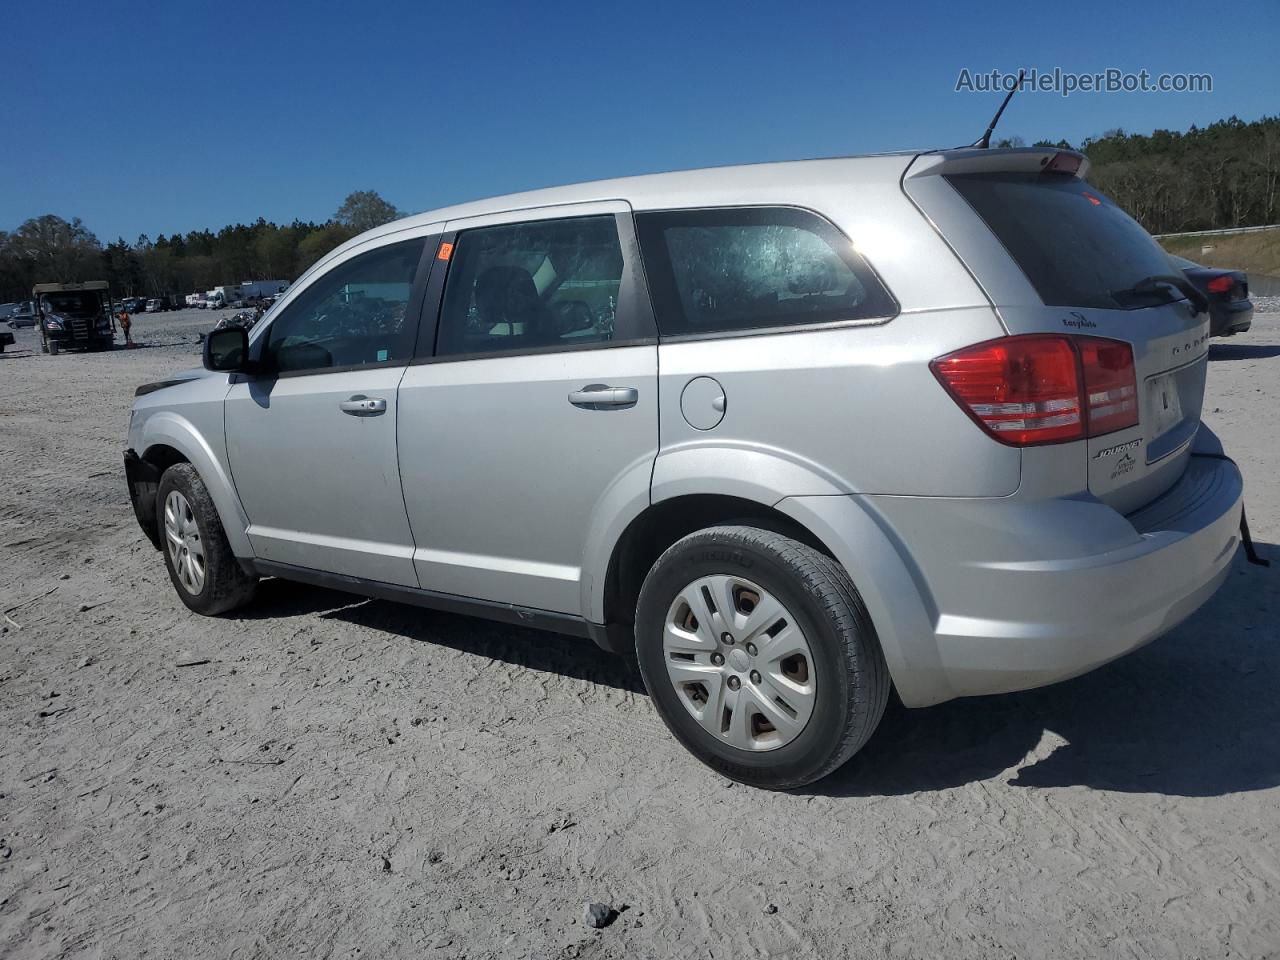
156 117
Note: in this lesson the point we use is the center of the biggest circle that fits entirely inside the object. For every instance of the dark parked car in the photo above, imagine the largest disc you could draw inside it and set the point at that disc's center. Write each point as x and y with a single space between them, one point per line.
24 316
1230 309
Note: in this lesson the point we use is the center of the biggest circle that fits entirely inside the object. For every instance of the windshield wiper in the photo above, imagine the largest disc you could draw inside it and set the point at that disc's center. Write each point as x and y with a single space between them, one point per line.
1159 281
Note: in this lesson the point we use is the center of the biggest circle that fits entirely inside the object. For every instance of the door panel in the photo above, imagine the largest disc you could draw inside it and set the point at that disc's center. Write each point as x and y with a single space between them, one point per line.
535 411
320 485
312 445
503 475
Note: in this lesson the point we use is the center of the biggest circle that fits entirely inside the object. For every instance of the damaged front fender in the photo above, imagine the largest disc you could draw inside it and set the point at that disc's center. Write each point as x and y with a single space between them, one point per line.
143 479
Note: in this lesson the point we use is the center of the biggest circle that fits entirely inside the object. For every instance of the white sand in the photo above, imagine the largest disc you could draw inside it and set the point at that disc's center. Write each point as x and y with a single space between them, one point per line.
244 808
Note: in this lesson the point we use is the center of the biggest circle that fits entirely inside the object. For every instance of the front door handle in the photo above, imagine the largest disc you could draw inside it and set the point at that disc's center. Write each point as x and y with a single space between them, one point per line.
362 406
597 396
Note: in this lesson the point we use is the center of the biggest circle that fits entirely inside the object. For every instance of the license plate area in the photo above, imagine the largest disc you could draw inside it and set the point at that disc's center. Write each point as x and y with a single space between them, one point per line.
1172 411
1164 404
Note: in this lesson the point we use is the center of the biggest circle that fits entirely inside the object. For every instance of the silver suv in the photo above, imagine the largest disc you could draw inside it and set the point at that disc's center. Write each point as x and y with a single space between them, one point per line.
788 433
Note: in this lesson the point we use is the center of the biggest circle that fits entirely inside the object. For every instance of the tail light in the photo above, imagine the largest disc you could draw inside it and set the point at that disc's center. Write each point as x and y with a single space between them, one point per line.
1221 284
1043 388
1110 389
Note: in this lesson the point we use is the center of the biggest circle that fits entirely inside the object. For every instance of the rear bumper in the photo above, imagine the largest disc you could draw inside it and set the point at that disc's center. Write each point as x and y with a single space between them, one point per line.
1054 619
1007 596
1234 317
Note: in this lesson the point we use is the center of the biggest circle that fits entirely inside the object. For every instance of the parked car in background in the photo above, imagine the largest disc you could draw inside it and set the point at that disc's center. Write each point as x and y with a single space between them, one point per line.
24 316
1230 309
134 305
685 415
155 305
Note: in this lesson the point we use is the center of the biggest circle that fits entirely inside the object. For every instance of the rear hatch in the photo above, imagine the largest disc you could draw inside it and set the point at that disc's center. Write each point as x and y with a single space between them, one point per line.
1057 256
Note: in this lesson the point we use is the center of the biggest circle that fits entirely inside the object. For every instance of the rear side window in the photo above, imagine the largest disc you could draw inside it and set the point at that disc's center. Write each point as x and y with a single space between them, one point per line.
535 285
748 268
1075 245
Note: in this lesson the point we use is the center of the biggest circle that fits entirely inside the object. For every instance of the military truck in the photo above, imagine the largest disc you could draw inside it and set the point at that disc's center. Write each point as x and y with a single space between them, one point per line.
74 316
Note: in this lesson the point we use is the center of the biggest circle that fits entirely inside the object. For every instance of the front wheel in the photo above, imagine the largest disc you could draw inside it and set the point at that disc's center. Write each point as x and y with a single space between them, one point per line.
203 569
759 655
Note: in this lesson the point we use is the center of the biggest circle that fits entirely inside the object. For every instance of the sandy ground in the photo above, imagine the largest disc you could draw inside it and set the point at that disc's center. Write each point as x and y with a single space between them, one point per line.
348 778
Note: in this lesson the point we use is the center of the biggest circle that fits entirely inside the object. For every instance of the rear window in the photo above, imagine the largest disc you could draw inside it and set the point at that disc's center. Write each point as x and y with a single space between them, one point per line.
746 268
1075 245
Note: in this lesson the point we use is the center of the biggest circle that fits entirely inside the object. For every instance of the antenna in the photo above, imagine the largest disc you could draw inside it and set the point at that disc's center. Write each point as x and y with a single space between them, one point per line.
984 141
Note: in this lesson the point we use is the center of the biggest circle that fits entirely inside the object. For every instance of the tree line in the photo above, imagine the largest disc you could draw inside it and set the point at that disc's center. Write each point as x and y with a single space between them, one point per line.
1224 175
49 249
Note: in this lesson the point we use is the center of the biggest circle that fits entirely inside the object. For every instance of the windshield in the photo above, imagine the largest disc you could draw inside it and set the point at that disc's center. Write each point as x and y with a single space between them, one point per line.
1075 245
1183 263
83 304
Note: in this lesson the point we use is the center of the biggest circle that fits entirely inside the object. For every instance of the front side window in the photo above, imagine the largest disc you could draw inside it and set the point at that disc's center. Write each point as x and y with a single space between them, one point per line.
523 286
754 267
357 313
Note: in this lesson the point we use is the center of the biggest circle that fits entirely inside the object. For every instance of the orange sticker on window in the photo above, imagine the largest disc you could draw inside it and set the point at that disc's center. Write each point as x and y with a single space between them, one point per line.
445 251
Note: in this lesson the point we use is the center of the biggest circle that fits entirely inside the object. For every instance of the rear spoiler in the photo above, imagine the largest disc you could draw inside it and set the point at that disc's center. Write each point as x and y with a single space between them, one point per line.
1011 160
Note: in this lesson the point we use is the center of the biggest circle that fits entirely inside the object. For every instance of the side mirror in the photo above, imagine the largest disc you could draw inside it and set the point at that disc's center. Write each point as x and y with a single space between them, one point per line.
227 350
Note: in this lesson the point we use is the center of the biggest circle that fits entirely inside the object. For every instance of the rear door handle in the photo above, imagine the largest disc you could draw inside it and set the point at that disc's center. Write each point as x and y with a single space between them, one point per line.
362 406
598 395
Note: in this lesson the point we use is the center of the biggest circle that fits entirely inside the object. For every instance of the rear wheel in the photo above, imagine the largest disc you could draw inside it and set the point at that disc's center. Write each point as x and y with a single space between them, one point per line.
203 569
759 655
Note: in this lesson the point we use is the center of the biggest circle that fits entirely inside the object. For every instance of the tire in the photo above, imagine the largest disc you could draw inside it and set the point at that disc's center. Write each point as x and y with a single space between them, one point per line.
223 585
845 676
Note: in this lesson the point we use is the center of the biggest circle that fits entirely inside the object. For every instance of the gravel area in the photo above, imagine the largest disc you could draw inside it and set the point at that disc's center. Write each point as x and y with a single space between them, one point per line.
327 776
